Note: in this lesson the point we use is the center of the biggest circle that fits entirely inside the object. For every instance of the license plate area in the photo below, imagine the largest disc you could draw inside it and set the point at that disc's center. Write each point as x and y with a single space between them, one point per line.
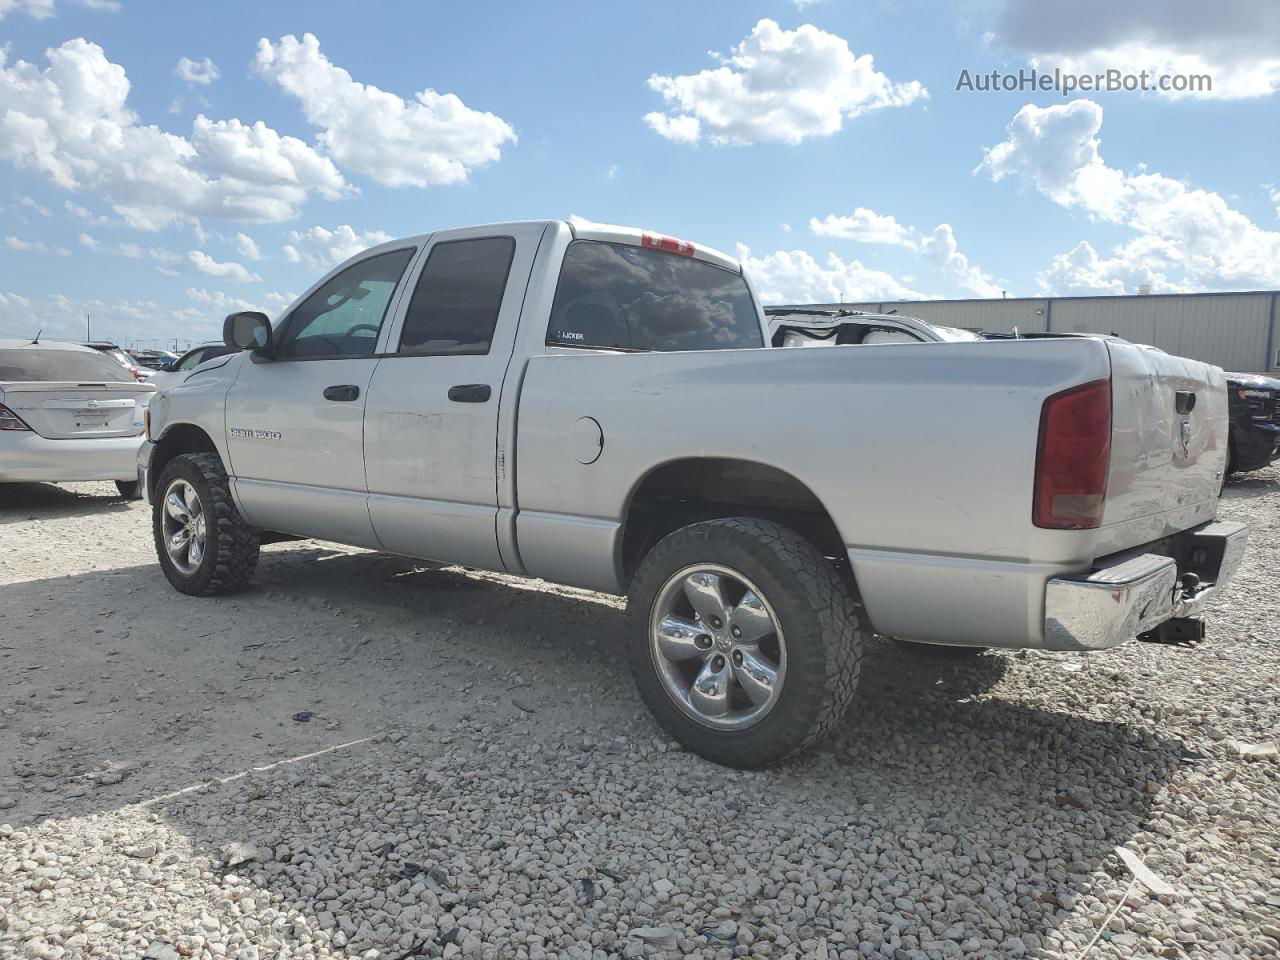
91 419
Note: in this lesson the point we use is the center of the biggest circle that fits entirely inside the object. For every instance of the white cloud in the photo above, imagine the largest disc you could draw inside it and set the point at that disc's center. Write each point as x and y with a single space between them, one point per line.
44 9
131 250
1235 42
36 9
85 214
279 300
35 207
220 300
88 242
940 246
229 270
776 85
794 276
865 226
60 316
247 247
71 123
323 247
433 139
200 72
1081 271
34 246
223 303
612 172
1185 237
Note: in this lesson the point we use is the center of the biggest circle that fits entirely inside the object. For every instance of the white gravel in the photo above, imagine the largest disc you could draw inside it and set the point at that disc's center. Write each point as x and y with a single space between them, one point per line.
483 782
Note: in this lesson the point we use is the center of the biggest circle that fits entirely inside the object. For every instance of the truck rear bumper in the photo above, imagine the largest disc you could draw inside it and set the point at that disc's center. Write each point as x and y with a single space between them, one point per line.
1133 593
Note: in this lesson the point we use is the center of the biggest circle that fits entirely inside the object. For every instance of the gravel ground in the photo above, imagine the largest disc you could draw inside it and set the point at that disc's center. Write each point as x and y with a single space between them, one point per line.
364 757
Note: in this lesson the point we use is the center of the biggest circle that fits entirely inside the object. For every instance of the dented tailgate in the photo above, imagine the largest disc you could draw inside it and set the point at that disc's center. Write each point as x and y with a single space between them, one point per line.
1168 445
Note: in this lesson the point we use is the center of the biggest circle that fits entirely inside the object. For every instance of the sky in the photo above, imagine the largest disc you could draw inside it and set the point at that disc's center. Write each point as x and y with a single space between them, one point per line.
163 164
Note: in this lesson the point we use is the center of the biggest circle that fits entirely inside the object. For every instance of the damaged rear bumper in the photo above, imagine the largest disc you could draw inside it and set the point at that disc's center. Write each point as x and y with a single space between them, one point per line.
1136 592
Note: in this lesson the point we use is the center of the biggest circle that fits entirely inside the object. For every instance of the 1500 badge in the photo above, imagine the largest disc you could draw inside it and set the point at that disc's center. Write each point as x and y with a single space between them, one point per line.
244 434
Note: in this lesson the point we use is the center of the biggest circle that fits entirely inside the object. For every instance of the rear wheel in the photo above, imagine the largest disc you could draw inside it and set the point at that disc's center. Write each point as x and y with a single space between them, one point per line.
743 641
128 489
204 544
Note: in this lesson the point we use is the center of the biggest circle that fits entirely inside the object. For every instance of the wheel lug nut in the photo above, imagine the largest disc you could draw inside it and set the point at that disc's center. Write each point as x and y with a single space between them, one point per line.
737 658
717 663
717 622
702 640
737 633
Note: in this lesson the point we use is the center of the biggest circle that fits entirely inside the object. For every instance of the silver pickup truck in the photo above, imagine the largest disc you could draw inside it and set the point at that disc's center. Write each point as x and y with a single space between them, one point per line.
602 407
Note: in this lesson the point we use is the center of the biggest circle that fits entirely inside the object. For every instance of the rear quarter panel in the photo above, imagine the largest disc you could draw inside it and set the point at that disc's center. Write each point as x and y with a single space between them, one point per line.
923 454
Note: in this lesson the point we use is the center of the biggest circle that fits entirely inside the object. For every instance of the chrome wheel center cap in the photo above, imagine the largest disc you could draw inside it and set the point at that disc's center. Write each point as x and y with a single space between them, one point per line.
724 643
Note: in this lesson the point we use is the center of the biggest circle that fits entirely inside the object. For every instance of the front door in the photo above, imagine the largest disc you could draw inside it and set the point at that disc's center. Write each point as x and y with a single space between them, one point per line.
295 422
431 423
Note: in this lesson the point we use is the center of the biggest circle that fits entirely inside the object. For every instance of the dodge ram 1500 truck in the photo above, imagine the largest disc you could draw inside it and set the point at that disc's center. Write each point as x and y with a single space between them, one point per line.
601 407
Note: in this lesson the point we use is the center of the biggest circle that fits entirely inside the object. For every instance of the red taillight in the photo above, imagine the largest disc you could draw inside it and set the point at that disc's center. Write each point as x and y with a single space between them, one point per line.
10 420
654 241
1073 458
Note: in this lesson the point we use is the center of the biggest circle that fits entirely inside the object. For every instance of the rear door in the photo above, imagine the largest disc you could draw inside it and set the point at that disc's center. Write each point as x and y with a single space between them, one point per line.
65 394
295 422
431 422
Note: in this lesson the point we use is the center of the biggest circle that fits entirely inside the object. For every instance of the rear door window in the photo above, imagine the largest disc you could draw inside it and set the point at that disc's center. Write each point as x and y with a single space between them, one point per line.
630 298
33 365
456 302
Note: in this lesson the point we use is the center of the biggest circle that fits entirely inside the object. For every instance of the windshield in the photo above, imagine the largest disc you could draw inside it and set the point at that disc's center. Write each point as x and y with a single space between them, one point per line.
33 364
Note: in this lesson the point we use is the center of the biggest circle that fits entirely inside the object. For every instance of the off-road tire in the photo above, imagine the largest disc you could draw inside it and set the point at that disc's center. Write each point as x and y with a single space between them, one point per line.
943 651
128 489
819 621
231 544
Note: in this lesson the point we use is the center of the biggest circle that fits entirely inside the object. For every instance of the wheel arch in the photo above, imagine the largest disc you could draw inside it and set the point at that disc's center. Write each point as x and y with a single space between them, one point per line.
177 439
686 490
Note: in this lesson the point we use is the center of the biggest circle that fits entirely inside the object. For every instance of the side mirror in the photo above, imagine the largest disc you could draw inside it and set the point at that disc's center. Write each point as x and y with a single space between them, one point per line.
247 330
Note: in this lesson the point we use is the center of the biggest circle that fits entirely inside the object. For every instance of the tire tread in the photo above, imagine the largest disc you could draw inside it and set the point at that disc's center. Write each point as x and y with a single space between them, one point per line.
236 544
820 588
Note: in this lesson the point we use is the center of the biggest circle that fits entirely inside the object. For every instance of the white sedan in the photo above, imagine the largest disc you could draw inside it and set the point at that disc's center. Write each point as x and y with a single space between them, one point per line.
68 413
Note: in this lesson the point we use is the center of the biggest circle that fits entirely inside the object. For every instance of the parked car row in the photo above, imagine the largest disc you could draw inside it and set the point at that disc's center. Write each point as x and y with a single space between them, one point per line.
591 405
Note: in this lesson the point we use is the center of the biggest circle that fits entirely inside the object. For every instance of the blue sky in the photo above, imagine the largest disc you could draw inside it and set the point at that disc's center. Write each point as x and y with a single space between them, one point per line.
760 128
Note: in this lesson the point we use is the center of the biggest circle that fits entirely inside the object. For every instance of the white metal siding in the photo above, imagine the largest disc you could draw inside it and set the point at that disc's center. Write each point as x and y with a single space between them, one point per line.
1236 331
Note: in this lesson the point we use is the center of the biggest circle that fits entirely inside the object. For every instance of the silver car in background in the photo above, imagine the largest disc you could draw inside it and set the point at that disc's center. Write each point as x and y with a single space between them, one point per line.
68 413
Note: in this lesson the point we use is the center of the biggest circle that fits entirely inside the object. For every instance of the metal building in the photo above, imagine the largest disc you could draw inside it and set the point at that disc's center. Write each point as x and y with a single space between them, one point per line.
1237 331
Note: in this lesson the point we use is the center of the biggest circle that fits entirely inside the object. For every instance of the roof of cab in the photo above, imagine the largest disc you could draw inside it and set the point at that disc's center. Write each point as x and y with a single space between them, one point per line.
582 229
612 233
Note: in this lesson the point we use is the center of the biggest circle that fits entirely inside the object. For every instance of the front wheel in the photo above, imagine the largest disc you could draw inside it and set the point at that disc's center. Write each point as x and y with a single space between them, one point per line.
204 544
743 640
